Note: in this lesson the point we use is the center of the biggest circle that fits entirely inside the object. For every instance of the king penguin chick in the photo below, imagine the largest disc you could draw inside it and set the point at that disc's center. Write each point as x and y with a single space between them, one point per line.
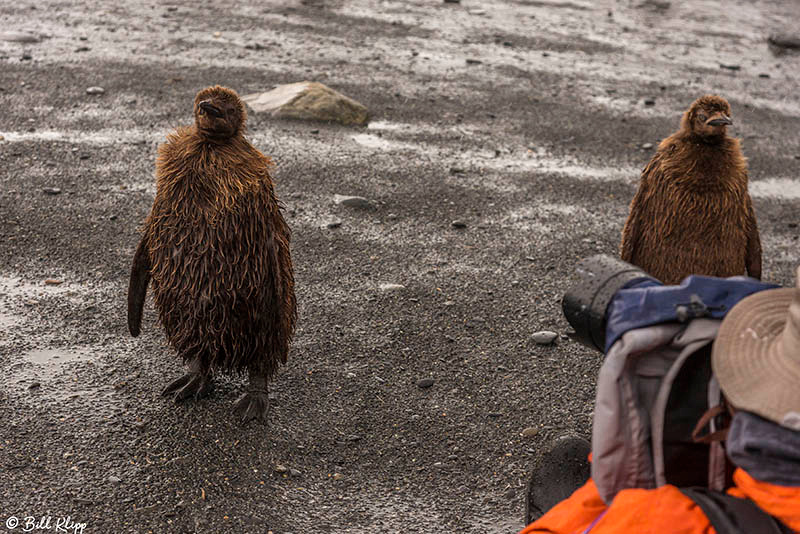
692 213
215 249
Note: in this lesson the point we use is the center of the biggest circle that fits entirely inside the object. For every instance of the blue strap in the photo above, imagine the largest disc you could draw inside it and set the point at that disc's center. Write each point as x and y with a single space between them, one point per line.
647 302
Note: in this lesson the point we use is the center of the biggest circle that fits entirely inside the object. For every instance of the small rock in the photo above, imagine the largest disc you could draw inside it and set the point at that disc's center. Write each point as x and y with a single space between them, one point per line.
315 132
729 67
477 11
471 61
114 479
35 385
458 224
2 138
452 1
530 432
456 170
352 201
650 102
494 415
391 287
19 37
26 57
337 476
335 223
449 303
82 49
782 44
294 473
281 469
391 216
353 438
53 282
424 383
217 34
545 337
647 146
95 90
81 463
763 75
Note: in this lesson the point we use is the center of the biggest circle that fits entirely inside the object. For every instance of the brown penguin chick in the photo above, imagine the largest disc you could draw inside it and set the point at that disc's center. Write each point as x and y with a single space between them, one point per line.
692 213
215 249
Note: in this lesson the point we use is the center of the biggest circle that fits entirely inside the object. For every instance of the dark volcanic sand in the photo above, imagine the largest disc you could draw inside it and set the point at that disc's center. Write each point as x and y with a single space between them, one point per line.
537 148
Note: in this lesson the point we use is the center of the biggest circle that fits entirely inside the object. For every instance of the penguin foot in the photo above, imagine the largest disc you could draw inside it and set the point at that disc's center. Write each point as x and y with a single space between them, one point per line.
252 405
192 385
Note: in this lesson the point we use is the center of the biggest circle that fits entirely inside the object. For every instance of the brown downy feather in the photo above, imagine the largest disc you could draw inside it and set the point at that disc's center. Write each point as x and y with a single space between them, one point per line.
221 270
692 213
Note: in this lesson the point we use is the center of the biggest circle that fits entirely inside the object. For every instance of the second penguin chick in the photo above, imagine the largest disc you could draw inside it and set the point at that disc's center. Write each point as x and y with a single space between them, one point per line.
215 249
692 213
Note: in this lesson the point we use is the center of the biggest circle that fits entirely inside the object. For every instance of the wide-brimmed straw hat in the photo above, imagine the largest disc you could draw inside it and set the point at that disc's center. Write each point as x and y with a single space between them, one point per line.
756 356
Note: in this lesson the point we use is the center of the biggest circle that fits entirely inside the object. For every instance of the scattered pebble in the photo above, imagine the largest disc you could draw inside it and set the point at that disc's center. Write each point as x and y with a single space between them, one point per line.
82 49
294 473
352 201
19 37
763 75
26 57
217 34
391 216
458 224
114 479
53 282
477 11
530 432
281 469
334 223
647 146
471 61
424 383
495 415
391 287
337 476
781 44
95 90
545 337
729 67
2 138
35 385
650 102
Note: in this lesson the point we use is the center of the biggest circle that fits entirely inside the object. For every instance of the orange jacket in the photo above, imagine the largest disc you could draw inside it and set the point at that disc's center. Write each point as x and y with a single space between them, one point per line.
662 510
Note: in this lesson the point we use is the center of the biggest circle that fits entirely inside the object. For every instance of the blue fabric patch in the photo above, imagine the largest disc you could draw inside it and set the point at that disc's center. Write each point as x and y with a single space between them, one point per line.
647 302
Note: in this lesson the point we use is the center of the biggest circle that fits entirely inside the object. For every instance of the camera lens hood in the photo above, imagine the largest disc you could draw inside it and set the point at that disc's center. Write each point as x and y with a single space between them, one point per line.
585 305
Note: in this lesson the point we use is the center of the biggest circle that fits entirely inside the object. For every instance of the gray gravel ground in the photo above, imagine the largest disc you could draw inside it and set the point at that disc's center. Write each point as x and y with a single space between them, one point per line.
535 144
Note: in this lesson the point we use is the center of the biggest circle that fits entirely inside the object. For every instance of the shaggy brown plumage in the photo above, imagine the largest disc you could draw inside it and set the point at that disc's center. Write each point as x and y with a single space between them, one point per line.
692 213
215 249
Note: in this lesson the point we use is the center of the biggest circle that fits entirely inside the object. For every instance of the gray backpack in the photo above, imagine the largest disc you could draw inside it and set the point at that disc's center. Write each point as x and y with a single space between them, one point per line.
654 385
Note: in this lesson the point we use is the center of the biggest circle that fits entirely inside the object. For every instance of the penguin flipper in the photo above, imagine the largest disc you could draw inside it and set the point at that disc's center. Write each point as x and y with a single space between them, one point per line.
753 255
137 288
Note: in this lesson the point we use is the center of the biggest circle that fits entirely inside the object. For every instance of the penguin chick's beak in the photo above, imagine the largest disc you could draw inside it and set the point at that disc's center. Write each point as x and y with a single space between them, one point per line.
210 108
722 120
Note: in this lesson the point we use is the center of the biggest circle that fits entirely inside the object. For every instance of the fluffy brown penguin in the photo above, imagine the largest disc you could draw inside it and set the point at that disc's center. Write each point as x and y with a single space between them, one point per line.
692 213
215 249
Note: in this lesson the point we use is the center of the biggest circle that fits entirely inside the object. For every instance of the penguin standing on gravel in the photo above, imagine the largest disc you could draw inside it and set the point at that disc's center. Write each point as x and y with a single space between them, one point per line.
692 213
215 249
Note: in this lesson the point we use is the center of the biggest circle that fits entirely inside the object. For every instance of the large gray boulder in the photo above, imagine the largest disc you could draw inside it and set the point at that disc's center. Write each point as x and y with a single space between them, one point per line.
309 101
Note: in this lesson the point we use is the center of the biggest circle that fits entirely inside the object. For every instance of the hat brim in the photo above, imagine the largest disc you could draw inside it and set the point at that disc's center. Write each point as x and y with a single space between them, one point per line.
756 369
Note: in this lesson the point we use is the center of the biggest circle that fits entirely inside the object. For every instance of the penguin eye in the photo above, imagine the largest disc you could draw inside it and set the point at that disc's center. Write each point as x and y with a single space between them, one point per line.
702 117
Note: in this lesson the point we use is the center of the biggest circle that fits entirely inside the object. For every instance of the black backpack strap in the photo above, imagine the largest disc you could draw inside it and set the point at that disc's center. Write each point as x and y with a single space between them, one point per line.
731 515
